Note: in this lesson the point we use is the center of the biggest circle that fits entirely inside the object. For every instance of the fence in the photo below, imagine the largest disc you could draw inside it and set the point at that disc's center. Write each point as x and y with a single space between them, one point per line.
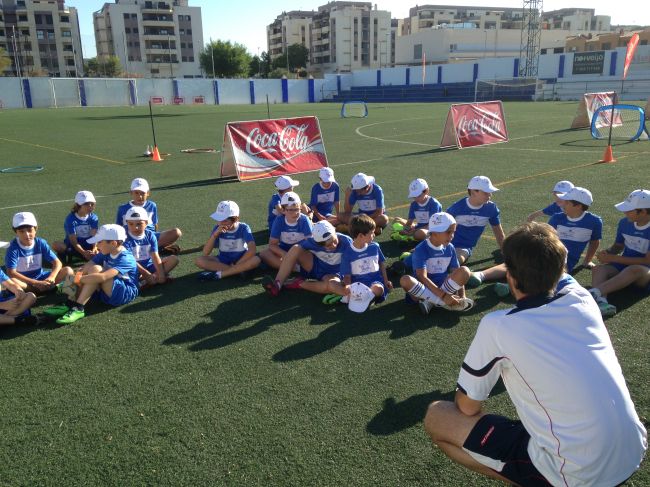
635 89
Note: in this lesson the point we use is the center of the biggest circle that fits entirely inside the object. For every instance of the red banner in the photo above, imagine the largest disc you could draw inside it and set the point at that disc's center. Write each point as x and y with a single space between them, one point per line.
268 148
588 105
629 54
473 124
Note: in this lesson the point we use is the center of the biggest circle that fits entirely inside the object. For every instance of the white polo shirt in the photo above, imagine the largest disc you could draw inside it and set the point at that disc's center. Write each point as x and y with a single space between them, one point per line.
559 367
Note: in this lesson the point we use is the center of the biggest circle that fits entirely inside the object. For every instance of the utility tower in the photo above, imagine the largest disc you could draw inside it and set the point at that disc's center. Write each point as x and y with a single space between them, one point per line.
531 36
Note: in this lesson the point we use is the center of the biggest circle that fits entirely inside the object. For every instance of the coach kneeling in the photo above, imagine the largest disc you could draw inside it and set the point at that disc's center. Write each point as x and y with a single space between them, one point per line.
577 425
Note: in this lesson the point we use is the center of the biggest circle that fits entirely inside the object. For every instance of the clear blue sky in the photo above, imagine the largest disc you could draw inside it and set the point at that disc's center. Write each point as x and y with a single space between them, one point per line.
222 19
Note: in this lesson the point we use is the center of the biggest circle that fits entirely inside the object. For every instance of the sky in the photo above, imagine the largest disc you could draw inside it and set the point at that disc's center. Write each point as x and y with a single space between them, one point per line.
222 19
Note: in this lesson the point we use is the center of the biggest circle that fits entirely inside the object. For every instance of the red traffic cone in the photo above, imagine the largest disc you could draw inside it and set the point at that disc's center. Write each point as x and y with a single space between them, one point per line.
608 156
156 155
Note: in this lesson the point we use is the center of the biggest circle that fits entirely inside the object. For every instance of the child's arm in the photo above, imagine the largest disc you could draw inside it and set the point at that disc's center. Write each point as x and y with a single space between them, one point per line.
347 206
74 243
252 250
337 207
144 273
499 234
606 258
316 213
421 275
408 227
535 215
157 263
209 245
39 285
591 252
382 268
347 280
15 288
274 246
99 277
56 268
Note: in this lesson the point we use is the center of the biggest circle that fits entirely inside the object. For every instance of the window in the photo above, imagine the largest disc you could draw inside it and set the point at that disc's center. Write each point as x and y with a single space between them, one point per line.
126 16
38 19
49 20
134 16
188 32
2 33
25 32
66 33
127 30
184 59
135 30
606 46
191 58
50 34
22 18
65 18
40 34
183 45
417 51
643 42
191 45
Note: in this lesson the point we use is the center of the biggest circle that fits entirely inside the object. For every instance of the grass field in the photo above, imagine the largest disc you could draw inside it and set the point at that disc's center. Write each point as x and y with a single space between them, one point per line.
216 383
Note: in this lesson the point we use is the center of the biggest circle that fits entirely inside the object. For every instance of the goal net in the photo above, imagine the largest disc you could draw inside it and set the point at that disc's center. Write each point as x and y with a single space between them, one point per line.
507 89
354 109
628 122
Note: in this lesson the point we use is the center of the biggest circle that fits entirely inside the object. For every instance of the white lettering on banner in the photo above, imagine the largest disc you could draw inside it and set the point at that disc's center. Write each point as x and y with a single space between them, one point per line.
478 126
291 139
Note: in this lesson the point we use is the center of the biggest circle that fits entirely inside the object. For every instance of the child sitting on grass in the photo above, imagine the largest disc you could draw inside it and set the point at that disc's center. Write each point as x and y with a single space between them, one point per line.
234 239
369 196
283 184
559 189
324 201
80 224
14 309
422 208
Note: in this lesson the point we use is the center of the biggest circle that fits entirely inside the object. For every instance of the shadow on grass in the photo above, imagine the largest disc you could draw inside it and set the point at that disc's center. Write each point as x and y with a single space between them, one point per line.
596 143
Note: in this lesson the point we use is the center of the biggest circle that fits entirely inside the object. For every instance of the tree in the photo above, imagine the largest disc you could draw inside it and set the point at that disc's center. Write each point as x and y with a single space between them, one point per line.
266 64
5 61
298 56
103 67
255 67
231 60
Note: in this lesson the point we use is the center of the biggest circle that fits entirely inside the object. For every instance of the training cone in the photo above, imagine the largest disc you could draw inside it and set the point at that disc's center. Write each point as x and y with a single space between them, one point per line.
156 155
608 156
148 152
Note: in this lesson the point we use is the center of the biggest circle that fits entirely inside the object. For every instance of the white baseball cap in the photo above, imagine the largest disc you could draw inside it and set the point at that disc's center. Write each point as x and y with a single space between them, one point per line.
361 180
326 174
225 209
360 297
562 186
109 232
140 184
483 183
290 198
416 187
638 199
136 214
581 195
84 197
285 182
323 231
440 222
24 218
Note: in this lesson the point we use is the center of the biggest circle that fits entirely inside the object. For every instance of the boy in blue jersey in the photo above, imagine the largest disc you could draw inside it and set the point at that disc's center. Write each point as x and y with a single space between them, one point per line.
324 202
422 208
438 279
288 229
80 224
140 197
111 276
234 239
559 189
365 192
14 310
26 255
319 258
142 243
472 214
364 261
283 184
631 267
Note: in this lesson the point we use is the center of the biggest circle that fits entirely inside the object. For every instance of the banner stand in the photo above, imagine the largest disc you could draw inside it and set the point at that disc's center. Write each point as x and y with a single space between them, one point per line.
589 103
474 124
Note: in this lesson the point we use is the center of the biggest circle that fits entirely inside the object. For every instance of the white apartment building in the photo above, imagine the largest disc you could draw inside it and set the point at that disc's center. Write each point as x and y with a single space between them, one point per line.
289 28
576 20
41 37
158 39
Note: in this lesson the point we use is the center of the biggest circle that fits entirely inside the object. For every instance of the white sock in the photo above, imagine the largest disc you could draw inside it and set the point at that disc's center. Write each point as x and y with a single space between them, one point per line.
595 292
480 276
419 291
450 286
218 273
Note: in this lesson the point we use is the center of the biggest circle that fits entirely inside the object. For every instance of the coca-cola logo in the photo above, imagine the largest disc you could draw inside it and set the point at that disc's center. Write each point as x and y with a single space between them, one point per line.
292 139
479 125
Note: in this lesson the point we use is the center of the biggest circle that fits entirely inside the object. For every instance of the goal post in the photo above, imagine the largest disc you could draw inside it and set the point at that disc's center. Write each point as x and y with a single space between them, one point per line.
354 109
628 122
507 89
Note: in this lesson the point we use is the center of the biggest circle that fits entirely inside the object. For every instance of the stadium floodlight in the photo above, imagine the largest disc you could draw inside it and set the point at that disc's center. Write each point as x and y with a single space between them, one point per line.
628 122
354 109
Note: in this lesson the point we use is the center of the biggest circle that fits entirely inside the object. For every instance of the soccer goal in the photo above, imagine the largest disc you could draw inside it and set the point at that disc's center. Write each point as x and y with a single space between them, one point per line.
628 122
354 109
507 89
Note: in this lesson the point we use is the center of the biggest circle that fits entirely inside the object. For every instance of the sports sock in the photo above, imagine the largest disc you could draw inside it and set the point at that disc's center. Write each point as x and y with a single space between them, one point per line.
450 286
78 307
218 274
419 291
480 275
70 304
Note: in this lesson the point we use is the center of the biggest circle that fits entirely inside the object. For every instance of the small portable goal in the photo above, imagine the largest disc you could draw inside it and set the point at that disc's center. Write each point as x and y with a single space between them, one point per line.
628 122
354 109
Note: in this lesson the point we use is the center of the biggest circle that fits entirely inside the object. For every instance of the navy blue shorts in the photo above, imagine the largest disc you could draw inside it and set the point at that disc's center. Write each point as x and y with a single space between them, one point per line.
504 442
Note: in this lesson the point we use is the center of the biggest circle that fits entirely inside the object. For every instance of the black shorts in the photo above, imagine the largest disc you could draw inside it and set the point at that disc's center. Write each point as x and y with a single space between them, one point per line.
504 443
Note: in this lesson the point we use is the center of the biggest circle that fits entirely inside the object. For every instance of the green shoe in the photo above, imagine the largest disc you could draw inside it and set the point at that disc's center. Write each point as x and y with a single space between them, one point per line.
332 299
71 316
398 237
397 227
404 255
473 281
58 310
502 289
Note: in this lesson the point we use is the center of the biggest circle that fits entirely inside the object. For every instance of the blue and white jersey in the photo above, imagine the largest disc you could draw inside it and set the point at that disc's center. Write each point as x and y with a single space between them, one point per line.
330 260
636 239
552 209
233 245
420 214
324 199
369 203
125 264
141 247
363 264
80 227
149 206
576 233
287 234
472 221
273 212
29 260
438 261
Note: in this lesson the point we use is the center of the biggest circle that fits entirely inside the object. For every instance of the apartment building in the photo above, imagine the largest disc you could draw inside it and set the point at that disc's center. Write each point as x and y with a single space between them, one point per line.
288 28
41 37
576 20
605 42
158 39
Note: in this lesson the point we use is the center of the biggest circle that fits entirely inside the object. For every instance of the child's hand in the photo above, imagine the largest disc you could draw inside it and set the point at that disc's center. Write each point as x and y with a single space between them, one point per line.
346 290
604 257
151 279
389 284
589 265
450 299
43 285
88 254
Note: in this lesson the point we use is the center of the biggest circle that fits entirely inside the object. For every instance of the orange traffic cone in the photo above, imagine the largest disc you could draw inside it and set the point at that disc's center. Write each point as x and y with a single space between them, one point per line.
608 156
156 155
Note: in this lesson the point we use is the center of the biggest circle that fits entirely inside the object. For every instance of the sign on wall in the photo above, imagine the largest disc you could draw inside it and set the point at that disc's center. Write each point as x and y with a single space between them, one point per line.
588 62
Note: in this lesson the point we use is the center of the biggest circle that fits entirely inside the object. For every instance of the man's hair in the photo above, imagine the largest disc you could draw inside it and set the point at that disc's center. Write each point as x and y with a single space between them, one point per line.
361 224
535 258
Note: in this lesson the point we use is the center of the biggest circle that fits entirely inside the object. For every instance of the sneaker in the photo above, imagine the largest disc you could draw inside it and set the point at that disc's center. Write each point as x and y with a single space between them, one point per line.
425 307
332 299
208 276
404 255
71 316
595 293
473 281
606 310
502 289
271 286
398 268
398 237
58 310
464 304
397 227
294 283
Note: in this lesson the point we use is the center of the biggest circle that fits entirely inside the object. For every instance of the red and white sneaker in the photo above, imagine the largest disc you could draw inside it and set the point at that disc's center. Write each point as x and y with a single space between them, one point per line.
294 283
271 286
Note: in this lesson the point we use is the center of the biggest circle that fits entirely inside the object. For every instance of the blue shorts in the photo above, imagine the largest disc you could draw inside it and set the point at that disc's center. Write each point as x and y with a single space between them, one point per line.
41 276
318 271
151 268
506 442
121 294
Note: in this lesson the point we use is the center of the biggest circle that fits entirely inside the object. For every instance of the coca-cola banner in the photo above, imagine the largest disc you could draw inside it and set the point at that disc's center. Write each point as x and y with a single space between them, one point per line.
472 124
588 105
268 148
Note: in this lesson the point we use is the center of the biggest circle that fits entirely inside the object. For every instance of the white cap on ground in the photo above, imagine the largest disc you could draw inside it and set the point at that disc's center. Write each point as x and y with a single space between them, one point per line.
360 297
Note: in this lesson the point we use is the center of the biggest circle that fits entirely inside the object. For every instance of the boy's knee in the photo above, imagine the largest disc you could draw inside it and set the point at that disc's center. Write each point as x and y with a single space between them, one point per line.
406 282
178 232
461 274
